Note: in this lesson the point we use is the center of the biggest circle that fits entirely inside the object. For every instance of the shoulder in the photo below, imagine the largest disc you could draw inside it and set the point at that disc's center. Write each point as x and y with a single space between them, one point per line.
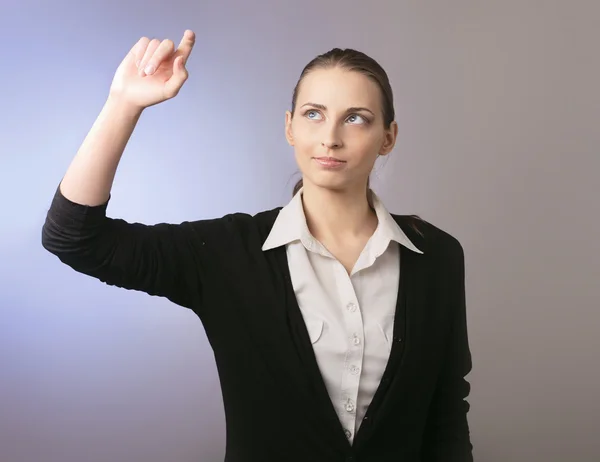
429 238
239 226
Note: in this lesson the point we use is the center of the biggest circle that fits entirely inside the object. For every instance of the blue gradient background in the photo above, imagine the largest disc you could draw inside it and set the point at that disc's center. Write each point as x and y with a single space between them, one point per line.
498 107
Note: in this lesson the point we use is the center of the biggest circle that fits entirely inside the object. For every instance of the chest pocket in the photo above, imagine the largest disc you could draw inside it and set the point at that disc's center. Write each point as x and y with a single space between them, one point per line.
314 326
386 327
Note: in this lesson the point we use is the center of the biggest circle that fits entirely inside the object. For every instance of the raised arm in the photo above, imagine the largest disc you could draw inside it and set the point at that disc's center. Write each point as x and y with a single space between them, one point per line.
159 259
90 176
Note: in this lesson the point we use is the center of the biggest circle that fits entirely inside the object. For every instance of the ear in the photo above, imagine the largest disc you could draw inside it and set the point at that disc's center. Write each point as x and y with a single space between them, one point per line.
389 139
288 128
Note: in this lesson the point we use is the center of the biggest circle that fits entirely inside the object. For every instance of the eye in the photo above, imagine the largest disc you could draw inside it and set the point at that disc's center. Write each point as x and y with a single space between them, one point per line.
311 112
359 118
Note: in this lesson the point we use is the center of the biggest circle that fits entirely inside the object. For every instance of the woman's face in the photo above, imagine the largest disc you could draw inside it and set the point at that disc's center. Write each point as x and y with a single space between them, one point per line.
337 129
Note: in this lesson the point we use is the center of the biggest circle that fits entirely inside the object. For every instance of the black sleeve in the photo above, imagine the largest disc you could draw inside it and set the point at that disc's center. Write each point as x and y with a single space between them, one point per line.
447 437
161 259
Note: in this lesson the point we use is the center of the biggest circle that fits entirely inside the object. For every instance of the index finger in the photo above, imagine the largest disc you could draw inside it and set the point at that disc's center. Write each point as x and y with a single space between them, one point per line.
185 46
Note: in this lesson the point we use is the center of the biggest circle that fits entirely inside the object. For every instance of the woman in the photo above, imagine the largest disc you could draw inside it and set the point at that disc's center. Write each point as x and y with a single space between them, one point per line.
339 330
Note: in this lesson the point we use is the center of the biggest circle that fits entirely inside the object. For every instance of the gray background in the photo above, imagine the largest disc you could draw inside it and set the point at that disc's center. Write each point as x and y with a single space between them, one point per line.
498 107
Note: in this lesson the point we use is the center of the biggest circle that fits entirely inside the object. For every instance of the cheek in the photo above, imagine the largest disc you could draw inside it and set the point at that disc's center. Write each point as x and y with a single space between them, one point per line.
365 145
305 140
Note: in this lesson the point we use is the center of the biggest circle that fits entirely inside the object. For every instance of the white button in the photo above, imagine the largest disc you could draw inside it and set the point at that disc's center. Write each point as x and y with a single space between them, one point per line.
351 307
349 406
354 369
348 434
356 340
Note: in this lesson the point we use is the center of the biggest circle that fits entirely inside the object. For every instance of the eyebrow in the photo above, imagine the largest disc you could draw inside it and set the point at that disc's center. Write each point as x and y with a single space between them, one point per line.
350 109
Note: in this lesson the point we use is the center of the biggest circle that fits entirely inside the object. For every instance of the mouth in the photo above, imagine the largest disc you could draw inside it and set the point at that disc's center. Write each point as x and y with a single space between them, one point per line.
329 162
329 159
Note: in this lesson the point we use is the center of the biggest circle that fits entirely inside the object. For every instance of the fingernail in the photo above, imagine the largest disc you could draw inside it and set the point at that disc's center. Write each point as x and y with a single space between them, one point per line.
149 69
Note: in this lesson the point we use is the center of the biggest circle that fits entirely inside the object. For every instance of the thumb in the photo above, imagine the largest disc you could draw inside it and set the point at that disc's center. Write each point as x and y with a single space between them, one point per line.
180 75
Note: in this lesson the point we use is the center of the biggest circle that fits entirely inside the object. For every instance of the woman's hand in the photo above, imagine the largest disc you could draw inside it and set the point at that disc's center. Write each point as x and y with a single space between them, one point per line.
152 72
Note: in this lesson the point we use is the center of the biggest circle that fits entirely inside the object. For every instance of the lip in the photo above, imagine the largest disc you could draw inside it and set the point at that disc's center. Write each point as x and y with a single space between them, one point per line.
329 159
329 162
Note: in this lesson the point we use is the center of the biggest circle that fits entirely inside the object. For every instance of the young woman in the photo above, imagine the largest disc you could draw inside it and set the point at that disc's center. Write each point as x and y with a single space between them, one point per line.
339 330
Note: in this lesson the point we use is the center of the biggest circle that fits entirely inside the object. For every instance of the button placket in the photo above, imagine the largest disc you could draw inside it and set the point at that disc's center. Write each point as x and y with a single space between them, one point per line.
354 356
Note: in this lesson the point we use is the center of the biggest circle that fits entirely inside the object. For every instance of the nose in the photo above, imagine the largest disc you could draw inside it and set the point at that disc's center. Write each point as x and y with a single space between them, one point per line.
331 144
332 139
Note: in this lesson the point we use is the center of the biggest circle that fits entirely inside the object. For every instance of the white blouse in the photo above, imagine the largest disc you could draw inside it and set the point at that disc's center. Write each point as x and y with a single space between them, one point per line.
349 318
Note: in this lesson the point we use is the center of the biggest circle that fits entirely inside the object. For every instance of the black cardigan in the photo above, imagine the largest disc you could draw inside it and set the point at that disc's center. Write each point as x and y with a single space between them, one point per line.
277 408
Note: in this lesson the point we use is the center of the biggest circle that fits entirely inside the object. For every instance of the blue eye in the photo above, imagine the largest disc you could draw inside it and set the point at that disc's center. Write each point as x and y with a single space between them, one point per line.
307 113
360 117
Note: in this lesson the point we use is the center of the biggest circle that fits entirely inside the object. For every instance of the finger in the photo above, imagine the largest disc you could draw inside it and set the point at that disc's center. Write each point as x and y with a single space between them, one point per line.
150 49
180 75
185 46
164 51
137 50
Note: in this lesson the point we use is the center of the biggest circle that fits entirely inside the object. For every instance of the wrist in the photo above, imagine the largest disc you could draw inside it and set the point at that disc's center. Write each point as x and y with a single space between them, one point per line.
123 107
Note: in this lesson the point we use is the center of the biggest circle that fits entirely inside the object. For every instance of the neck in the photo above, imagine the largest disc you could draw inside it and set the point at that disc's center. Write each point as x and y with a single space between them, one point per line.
338 215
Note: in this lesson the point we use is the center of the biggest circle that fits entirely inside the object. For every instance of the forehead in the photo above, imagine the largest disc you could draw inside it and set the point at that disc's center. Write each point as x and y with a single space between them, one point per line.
339 88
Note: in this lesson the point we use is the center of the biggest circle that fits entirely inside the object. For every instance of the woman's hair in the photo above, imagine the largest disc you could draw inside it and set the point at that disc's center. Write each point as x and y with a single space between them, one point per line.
356 61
